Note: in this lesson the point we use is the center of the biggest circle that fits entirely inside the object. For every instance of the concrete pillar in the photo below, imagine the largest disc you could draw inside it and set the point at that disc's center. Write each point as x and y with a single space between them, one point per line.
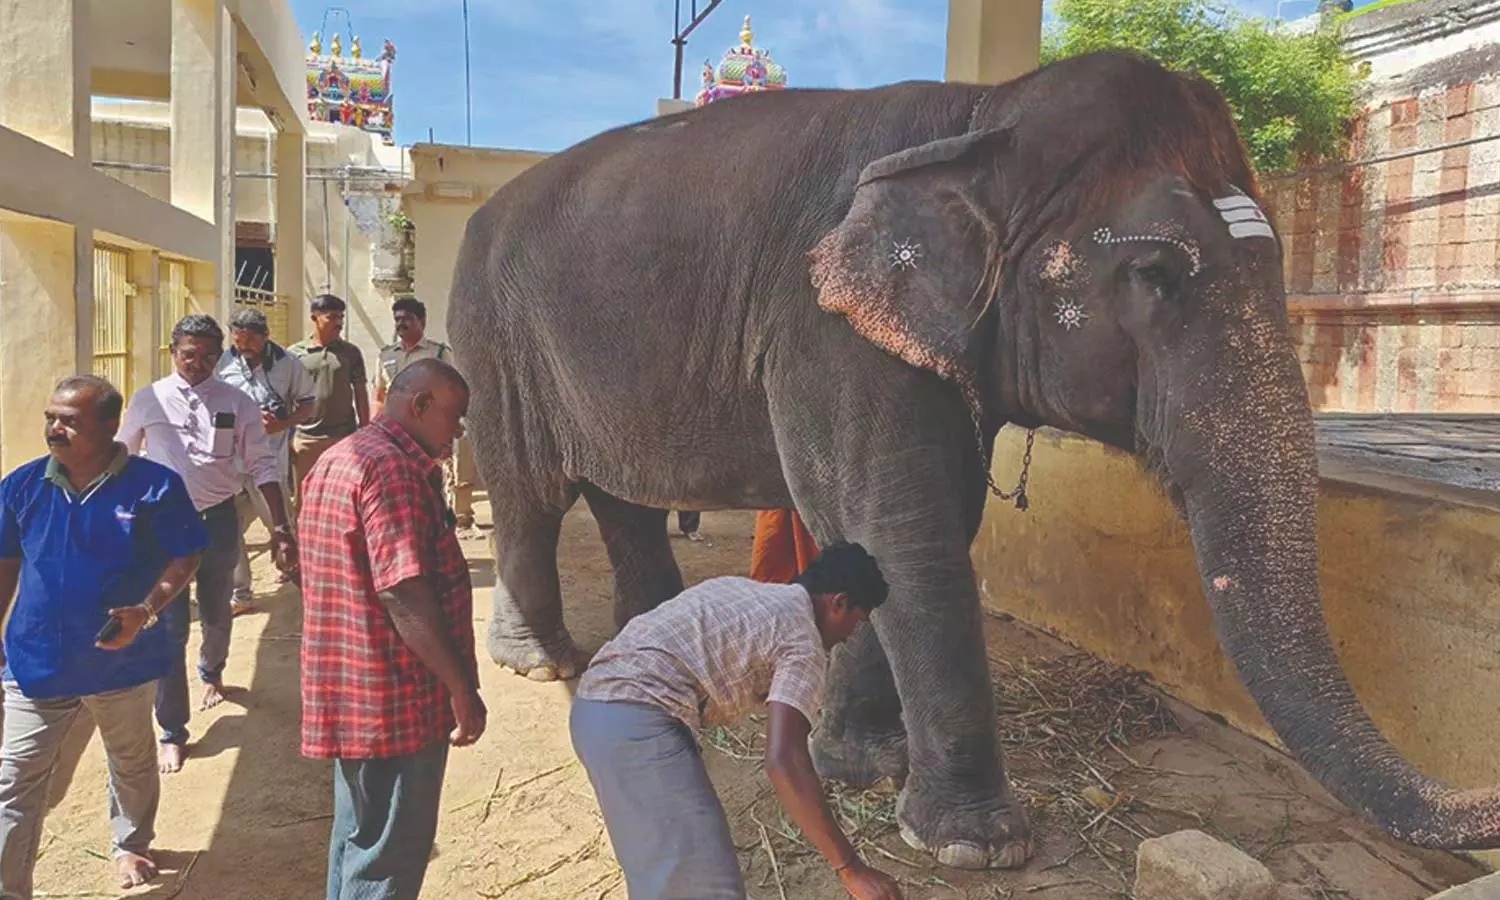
38 269
204 82
291 228
991 41
44 72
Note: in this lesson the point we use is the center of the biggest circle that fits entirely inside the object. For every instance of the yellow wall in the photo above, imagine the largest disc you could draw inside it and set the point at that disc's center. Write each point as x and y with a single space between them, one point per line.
1411 590
448 185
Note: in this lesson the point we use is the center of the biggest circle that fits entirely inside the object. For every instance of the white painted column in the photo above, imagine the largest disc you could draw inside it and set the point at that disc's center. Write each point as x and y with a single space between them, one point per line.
203 122
992 41
291 228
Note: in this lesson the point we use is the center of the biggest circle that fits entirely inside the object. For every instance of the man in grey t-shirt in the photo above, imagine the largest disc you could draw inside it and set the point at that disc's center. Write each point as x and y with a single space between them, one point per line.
280 386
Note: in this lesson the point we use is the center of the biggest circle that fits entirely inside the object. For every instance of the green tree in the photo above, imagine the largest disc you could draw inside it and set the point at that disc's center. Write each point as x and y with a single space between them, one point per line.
1293 95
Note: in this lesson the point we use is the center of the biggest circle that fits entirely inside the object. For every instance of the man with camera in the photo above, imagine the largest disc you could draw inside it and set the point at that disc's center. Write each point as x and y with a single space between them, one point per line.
280 386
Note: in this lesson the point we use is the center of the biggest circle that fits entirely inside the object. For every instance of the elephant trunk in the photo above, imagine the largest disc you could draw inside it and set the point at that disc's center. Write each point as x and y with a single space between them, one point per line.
1246 465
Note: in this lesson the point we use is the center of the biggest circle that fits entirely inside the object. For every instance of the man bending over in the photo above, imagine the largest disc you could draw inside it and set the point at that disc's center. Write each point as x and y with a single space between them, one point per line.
716 653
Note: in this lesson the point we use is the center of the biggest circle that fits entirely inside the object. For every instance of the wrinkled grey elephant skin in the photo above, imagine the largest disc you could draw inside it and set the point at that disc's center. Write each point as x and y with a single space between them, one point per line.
810 298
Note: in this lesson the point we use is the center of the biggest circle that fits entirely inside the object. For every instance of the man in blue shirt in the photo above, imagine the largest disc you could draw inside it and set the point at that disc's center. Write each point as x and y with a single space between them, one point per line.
93 536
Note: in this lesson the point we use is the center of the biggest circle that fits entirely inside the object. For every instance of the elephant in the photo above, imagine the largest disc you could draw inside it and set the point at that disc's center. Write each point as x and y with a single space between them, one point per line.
832 300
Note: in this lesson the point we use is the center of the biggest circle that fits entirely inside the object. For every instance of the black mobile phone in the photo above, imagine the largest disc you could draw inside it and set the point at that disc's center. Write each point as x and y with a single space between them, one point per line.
110 630
224 420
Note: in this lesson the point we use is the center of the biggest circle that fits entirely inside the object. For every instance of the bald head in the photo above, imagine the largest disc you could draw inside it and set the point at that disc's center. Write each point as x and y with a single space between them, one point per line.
429 399
426 375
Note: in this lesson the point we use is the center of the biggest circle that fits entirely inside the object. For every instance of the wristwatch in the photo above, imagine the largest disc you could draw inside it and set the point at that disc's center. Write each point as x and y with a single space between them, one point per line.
150 614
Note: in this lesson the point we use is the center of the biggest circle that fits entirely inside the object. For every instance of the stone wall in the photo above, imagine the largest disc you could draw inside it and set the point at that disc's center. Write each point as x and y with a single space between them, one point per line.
1393 267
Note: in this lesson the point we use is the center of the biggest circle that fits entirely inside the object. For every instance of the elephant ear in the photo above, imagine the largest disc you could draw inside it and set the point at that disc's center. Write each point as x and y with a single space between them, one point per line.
908 264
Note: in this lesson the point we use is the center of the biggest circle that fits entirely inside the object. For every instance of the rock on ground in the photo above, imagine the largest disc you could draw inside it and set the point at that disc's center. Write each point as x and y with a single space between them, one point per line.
1190 865
1486 888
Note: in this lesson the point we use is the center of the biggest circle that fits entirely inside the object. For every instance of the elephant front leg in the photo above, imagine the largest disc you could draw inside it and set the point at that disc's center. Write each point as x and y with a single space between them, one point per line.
957 802
861 739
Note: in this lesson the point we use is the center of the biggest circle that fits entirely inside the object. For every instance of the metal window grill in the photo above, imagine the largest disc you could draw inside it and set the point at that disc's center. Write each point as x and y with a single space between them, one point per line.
273 305
113 297
175 300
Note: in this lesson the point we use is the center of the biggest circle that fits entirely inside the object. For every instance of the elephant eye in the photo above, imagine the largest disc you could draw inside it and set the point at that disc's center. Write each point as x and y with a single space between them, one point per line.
1156 276
1156 270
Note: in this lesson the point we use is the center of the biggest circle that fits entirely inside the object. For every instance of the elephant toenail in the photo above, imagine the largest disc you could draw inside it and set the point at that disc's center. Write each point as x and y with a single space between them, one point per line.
964 855
1013 855
542 673
911 839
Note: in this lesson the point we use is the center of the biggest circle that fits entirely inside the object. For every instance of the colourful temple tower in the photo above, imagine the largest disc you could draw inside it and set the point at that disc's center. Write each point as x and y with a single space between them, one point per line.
743 70
351 90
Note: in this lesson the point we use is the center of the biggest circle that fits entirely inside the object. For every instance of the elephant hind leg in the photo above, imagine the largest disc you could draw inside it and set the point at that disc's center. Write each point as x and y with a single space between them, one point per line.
861 739
526 631
640 552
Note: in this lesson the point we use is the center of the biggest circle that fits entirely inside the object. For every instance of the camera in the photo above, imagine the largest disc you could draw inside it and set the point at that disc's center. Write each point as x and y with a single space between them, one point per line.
276 407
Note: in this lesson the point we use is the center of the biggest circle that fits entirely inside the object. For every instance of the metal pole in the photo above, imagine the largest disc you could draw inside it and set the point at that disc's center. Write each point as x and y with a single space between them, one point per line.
677 69
468 95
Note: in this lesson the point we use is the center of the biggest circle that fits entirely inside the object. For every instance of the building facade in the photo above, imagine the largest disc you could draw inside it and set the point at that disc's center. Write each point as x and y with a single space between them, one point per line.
93 270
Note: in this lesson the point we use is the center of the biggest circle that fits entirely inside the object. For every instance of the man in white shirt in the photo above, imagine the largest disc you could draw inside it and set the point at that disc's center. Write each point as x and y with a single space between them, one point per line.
208 433
282 389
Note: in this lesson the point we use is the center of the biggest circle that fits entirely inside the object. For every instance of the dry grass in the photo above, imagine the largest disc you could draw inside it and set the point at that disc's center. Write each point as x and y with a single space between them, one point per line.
1066 725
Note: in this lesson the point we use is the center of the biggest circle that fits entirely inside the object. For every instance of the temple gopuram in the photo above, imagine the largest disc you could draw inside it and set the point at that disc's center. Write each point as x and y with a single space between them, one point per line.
351 90
743 70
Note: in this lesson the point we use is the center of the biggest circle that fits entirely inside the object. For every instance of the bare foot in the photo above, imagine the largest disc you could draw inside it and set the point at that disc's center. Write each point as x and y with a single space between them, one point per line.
213 695
239 607
169 758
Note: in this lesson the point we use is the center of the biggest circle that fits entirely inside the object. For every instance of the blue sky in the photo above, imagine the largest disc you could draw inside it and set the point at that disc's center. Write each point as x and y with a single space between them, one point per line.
549 73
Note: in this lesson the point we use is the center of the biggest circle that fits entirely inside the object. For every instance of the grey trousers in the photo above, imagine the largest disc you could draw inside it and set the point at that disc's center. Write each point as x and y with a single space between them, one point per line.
214 588
664 820
34 733
385 815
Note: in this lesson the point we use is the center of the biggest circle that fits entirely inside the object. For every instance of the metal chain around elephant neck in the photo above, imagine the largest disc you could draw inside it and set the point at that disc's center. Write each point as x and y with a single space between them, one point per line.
1019 494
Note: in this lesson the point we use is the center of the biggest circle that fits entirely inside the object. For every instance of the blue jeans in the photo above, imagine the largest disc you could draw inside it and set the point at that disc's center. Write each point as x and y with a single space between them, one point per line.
215 582
664 820
385 815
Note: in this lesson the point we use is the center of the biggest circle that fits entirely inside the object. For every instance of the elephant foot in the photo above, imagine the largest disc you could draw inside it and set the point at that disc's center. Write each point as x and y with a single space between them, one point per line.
552 659
864 761
964 831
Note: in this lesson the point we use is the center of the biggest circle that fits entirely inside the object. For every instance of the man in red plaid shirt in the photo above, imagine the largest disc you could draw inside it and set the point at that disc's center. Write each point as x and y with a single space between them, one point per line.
388 672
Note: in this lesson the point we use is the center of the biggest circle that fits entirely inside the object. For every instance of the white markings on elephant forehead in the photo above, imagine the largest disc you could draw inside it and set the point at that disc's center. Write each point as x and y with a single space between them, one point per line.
1160 234
1070 314
905 254
1243 216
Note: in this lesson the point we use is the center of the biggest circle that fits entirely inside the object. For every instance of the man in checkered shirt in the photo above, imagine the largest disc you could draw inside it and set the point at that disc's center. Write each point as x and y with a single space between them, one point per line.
388 673
716 653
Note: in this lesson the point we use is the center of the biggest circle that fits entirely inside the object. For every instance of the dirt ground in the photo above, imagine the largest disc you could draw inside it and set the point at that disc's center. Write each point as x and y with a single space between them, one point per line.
1101 760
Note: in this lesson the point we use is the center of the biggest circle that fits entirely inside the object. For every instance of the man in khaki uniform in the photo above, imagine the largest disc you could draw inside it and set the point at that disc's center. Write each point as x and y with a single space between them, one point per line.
412 344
